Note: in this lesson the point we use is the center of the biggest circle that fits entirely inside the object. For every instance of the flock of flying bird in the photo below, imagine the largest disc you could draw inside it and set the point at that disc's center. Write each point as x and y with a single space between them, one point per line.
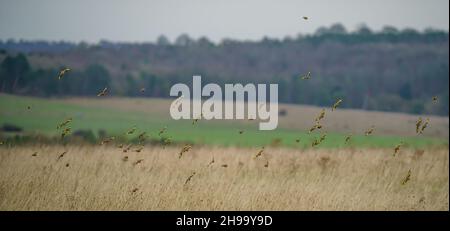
66 129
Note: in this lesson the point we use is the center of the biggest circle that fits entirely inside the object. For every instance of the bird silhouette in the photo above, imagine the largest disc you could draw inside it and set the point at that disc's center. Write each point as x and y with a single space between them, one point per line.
259 153
63 72
307 76
407 178
348 137
335 105
418 123
305 17
103 92
321 115
370 131
435 99
61 155
397 148
186 148
61 125
425 125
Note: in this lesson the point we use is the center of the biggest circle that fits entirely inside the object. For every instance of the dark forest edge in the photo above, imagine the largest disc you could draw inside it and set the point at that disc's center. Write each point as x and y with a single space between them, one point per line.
389 70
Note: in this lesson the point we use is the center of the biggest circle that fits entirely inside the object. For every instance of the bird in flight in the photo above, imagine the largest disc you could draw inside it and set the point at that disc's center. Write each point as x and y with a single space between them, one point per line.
425 125
211 162
305 17
418 123
370 130
189 178
162 130
316 126
335 105
103 92
435 99
63 72
61 155
347 138
397 148
138 161
321 115
64 123
186 148
259 153
143 89
105 141
65 132
307 76
407 178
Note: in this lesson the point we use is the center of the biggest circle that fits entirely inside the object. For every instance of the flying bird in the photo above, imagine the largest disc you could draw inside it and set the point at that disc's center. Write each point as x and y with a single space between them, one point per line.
407 178
397 148
307 76
105 141
162 130
64 123
138 162
166 142
61 155
425 125
259 153
63 72
322 138
139 149
186 148
321 115
143 89
142 136
370 130
127 148
132 130
305 17
211 162
335 105
347 138
189 178
316 126
103 92
65 132
418 123
435 99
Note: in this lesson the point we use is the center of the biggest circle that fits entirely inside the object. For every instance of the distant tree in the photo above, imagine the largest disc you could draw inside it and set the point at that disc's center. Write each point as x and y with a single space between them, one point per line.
363 30
183 40
337 28
163 41
389 30
14 71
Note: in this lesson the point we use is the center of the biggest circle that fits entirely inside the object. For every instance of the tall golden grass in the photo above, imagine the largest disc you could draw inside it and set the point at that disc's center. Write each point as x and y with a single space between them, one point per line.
96 178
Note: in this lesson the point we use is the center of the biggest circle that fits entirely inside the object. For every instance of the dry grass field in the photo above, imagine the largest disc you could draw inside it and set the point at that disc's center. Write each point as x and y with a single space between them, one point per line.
91 177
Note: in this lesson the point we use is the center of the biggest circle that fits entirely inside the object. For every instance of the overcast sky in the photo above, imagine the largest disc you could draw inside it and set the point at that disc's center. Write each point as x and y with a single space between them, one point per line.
145 20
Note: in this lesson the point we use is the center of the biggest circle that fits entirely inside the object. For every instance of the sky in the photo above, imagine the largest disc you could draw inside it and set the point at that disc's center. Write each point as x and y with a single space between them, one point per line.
145 20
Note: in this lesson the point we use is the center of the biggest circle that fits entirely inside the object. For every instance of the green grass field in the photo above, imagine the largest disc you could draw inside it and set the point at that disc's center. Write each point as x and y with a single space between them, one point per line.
45 114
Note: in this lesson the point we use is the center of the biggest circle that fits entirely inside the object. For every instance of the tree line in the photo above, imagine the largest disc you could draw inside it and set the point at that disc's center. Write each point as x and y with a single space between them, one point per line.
388 70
